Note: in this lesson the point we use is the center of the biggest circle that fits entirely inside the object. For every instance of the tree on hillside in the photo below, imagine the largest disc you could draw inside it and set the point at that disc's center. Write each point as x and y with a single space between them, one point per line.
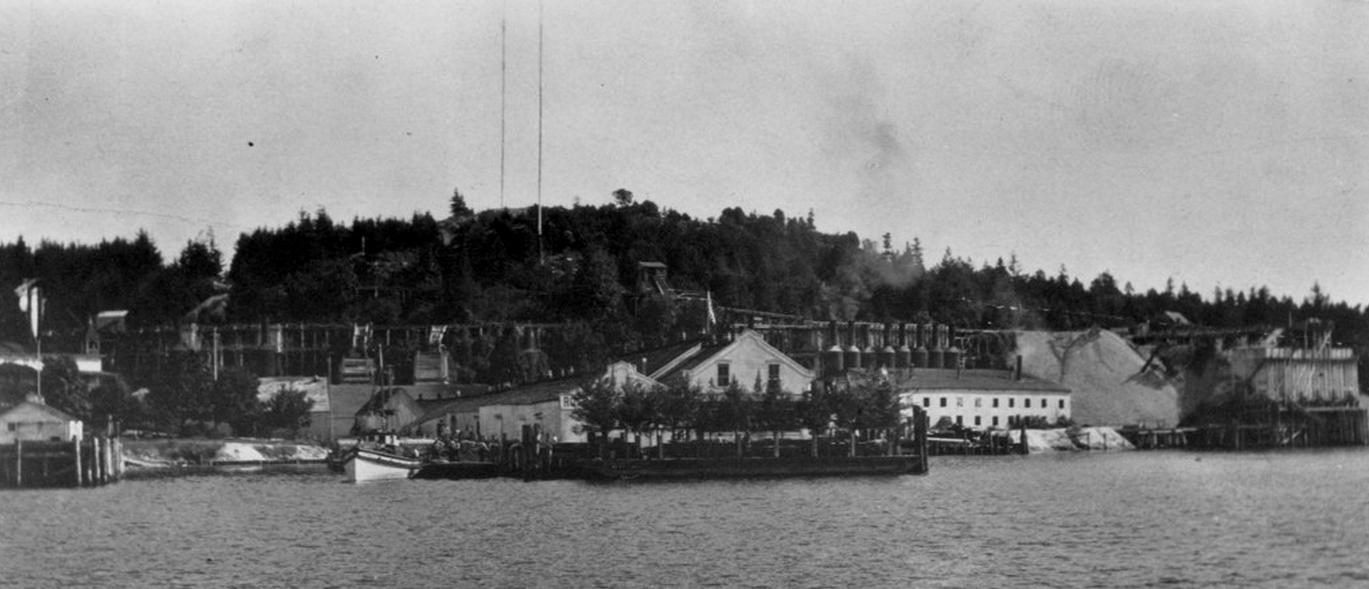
112 401
457 205
63 387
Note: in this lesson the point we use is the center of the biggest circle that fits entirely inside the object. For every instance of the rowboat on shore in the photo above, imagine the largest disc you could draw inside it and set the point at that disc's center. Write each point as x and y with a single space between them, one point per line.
365 465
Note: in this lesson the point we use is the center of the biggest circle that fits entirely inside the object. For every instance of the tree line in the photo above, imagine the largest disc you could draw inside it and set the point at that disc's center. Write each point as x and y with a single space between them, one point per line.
685 413
581 269
181 396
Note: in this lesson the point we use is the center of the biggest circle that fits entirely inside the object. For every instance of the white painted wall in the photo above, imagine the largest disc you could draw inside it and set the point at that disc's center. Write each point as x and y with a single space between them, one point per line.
28 422
993 408
747 358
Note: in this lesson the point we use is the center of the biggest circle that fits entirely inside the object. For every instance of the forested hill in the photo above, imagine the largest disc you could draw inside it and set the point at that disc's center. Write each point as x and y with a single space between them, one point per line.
491 266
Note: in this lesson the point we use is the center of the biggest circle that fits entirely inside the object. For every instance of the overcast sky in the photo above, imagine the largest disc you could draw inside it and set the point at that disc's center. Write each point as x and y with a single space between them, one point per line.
1218 143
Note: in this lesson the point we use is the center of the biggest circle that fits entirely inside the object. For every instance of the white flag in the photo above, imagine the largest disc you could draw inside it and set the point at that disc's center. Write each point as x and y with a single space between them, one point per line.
712 317
31 302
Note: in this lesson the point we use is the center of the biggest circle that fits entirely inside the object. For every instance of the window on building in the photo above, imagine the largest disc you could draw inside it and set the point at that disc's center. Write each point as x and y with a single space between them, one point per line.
13 426
994 420
995 403
723 377
978 403
1010 402
943 401
926 401
960 401
960 420
977 420
774 376
1027 402
1062 403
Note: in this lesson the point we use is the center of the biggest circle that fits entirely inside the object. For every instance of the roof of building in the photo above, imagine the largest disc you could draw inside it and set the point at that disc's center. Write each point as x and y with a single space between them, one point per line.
55 413
541 392
709 352
932 379
657 358
703 354
13 348
346 399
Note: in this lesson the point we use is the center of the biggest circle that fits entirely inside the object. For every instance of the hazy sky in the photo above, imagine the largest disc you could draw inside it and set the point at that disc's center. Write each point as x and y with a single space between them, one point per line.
1220 143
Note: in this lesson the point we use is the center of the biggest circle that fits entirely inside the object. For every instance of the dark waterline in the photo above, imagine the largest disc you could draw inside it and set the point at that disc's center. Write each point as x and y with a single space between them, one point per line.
1140 519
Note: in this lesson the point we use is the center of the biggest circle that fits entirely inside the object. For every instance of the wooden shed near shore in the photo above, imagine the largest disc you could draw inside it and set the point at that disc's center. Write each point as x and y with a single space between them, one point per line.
35 421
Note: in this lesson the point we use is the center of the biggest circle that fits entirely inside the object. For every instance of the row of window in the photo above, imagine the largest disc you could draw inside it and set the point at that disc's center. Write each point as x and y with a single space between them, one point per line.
979 402
1013 420
725 374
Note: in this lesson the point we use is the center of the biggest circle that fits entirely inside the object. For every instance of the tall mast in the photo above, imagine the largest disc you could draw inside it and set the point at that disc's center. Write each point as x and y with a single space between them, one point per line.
540 37
503 94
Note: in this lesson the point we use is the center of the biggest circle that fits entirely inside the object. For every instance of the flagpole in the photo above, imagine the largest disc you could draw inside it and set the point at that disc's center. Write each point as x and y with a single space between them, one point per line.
35 301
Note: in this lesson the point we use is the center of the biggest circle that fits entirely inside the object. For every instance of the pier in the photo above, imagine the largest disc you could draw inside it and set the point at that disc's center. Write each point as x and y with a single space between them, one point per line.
91 462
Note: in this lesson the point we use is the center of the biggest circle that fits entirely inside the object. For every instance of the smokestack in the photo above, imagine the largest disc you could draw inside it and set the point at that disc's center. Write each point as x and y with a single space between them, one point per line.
937 357
834 359
1017 372
886 354
921 359
903 357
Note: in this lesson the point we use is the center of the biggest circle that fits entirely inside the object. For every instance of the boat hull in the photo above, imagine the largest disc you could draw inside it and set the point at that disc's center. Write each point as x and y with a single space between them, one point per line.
368 465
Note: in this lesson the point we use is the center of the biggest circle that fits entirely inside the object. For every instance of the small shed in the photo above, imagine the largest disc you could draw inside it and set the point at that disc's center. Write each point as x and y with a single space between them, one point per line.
34 421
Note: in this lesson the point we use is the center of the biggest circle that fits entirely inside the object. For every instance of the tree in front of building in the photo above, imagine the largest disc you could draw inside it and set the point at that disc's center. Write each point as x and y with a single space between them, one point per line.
680 407
814 413
180 391
880 410
287 412
596 406
235 401
638 411
777 413
736 409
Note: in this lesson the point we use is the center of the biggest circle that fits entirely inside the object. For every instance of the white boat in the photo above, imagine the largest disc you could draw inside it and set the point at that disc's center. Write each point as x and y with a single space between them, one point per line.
364 465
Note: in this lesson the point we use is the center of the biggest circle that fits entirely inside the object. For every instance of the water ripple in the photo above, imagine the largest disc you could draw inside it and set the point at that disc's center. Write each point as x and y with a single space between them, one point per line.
1160 519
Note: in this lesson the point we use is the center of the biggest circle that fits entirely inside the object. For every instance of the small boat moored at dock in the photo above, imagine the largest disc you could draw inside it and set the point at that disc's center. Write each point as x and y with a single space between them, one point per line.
364 465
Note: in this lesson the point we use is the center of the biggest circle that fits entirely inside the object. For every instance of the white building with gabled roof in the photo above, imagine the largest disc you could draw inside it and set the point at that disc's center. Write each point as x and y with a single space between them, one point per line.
746 360
33 420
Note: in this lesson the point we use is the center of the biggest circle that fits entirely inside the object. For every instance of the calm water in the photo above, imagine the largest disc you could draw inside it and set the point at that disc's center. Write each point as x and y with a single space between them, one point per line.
1100 519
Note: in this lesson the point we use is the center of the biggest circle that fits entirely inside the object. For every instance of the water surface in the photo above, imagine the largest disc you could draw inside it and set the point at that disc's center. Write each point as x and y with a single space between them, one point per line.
1139 519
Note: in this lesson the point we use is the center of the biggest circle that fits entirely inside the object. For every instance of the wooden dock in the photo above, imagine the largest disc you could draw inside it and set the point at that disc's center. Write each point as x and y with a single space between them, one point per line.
79 463
716 468
1158 438
1304 427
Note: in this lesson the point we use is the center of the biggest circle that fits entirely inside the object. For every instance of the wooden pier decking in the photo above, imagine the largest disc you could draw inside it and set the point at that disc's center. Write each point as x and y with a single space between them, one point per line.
79 463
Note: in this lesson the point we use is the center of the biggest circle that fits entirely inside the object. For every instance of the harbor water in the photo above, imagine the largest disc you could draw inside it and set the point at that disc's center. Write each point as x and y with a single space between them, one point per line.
1139 519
